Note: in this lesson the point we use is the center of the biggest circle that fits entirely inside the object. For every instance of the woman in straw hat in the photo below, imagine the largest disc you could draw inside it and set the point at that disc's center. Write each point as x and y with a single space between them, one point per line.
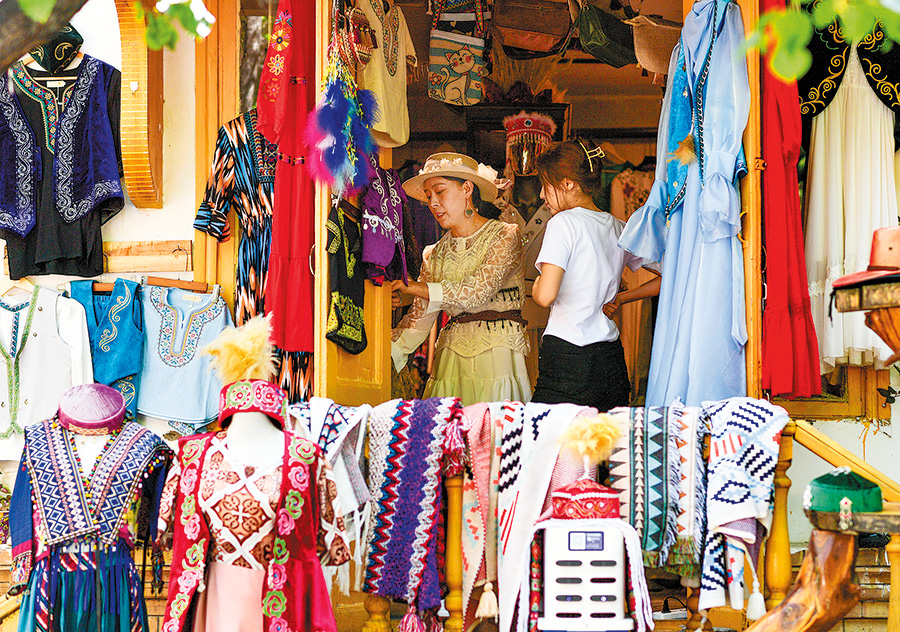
474 274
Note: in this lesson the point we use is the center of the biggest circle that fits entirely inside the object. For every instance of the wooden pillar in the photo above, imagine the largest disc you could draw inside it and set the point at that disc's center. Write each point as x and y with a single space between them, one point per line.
751 212
778 547
454 600
379 610
893 554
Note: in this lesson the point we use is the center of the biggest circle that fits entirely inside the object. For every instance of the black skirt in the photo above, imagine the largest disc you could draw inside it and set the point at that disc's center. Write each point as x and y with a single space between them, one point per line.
592 375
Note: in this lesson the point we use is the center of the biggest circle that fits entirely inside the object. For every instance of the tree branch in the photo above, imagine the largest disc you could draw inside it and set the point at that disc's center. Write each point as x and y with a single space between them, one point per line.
19 34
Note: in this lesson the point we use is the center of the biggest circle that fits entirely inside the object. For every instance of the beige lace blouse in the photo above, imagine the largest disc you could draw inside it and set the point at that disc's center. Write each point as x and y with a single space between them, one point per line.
467 275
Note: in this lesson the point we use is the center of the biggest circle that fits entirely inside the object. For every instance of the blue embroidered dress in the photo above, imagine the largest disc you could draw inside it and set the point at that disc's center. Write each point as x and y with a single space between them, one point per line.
177 381
73 531
60 167
116 330
693 215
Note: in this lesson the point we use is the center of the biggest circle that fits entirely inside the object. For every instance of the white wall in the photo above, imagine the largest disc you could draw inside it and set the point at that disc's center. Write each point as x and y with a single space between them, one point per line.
882 450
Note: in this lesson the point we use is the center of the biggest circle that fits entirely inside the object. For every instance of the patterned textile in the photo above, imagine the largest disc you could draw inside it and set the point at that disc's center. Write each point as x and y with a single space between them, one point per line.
295 596
685 555
253 396
481 428
406 445
242 178
70 507
746 435
383 250
645 468
529 441
60 51
345 326
73 536
115 323
178 324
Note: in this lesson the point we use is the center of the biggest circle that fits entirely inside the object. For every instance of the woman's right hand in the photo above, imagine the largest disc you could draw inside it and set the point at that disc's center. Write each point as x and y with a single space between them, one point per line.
396 299
612 308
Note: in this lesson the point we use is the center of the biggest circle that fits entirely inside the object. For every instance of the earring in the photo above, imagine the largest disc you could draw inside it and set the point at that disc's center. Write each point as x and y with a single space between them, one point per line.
470 212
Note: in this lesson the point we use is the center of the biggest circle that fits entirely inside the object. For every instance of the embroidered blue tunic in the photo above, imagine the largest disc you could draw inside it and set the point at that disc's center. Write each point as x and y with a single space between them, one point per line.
692 216
60 168
73 532
177 381
116 330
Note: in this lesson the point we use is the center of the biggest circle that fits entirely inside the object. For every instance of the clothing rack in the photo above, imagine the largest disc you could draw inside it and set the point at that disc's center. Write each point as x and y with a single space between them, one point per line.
191 286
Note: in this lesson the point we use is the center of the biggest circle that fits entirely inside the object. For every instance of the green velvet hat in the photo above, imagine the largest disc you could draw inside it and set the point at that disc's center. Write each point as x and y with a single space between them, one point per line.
826 492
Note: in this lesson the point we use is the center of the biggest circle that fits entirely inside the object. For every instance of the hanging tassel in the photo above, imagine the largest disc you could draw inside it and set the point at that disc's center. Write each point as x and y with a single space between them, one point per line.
454 450
703 620
756 606
487 605
686 152
411 621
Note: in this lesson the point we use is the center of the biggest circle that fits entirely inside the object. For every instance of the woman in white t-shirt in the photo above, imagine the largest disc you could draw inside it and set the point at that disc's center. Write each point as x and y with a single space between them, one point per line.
580 264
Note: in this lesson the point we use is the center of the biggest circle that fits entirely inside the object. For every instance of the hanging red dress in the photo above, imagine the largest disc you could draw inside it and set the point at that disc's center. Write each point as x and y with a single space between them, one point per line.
287 93
790 351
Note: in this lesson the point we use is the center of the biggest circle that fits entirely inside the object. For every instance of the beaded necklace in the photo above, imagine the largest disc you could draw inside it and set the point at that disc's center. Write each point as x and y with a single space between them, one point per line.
86 479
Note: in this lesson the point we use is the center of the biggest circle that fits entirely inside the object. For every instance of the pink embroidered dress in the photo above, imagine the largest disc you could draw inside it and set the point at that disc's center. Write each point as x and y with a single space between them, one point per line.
248 540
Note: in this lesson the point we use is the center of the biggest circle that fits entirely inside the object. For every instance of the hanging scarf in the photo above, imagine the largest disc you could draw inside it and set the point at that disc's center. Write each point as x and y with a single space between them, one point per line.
406 445
529 442
645 468
746 435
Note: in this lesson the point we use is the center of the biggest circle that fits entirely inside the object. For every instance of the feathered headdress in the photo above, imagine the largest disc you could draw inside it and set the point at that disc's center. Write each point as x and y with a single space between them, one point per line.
244 359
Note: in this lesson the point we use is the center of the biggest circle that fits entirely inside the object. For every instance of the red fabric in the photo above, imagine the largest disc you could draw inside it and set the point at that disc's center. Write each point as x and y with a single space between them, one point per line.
286 96
295 597
790 350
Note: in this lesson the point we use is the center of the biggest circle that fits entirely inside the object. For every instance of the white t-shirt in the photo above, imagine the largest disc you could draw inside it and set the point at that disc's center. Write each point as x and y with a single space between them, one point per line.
584 244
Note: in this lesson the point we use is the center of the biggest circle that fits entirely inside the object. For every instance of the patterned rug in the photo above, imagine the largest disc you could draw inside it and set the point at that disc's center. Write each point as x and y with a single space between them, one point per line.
745 439
406 446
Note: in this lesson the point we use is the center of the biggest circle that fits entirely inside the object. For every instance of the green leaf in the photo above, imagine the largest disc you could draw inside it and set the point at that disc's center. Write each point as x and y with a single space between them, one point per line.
790 63
37 10
857 22
160 32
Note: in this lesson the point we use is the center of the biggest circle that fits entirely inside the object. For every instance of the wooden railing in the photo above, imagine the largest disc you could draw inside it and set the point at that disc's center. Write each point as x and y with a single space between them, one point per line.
776 564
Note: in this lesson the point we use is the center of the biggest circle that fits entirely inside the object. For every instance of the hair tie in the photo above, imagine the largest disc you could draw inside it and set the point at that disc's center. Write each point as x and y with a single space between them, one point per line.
596 152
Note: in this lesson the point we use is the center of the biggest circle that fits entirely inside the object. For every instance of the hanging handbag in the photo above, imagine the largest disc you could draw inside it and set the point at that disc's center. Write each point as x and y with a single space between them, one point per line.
356 38
605 36
533 25
456 60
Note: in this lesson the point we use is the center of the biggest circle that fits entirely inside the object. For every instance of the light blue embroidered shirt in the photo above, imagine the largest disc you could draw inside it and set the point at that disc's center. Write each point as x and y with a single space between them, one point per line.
177 381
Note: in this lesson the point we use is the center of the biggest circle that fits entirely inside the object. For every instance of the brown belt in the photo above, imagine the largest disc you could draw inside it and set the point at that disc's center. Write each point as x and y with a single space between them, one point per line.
513 315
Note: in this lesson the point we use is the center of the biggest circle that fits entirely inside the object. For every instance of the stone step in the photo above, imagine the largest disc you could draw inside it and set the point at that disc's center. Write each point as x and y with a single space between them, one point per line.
866 557
861 625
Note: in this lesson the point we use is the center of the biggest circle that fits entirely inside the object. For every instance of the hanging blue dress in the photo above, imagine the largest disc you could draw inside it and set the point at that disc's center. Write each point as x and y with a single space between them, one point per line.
692 217
116 330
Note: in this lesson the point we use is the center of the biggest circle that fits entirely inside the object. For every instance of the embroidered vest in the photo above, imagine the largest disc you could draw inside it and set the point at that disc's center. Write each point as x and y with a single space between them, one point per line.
116 330
85 163
295 597
177 381
68 509
38 366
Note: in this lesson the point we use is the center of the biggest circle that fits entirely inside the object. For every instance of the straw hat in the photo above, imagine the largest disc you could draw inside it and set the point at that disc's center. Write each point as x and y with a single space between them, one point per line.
453 165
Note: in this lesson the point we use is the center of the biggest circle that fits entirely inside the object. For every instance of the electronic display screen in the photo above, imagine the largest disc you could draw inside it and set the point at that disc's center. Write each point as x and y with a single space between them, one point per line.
585 540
